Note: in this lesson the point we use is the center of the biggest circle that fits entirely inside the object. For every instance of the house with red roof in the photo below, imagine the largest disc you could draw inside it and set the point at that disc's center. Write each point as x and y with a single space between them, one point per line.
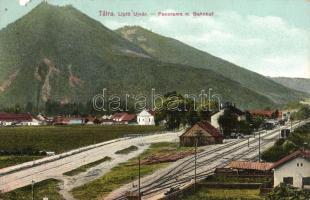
293 169
9 119
68 120
250 166
202 133
266 113
124 118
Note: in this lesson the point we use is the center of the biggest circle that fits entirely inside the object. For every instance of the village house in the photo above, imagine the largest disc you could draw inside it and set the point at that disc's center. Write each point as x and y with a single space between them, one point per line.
215 119
266 113
61 120
124 118
240 114
233 108
9 119
146 117
293 169
107 122
203 133
43 120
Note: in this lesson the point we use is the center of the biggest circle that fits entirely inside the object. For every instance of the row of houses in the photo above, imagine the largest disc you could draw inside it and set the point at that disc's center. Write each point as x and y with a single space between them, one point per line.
209 131
9 119
145 117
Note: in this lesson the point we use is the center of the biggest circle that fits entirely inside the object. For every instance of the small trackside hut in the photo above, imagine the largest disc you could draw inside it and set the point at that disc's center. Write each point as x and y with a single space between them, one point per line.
204 133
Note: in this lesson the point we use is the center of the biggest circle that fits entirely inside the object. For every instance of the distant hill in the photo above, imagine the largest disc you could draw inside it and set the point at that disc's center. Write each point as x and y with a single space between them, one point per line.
60 54
300 84
171 50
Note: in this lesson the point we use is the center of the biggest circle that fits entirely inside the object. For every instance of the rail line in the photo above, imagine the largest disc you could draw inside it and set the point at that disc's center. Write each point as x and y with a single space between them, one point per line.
170 178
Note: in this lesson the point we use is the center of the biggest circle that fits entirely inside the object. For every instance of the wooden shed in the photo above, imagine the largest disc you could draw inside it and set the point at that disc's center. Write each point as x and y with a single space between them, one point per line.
204 133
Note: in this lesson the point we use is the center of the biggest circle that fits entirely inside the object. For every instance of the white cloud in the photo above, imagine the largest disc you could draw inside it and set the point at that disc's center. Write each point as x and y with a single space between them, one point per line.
296 66
267 45
24 2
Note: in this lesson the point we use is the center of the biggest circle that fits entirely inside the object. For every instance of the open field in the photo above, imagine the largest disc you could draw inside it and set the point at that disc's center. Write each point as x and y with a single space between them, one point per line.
48 188
6 161
25 140
125 173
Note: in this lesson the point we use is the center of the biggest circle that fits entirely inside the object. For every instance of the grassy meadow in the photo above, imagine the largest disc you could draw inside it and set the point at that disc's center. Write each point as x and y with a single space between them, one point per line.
64 138
48 188
22 144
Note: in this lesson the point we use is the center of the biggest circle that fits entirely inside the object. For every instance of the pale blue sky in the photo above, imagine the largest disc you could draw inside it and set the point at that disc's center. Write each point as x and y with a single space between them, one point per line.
271 37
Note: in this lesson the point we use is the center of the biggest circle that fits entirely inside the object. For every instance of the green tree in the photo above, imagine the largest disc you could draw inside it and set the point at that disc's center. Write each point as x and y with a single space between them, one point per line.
286 192
228 122
177 110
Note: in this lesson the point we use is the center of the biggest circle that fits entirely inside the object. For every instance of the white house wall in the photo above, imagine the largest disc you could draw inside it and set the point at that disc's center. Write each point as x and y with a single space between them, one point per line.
145 118
290 169
215 118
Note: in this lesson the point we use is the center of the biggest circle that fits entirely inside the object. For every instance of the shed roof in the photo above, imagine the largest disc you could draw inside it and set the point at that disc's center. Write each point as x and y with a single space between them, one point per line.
205 126
250 165
298 153
15 117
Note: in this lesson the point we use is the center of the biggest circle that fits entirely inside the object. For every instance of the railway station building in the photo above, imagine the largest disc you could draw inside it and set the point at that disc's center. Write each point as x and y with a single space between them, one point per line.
202 133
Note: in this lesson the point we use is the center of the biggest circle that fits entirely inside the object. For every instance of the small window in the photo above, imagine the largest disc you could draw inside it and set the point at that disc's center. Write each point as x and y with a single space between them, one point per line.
301 164
306 181
288 180
297 164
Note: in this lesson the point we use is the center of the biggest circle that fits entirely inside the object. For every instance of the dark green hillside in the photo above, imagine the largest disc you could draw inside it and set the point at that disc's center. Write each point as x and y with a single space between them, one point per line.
170 50
49 49
300 84
60 54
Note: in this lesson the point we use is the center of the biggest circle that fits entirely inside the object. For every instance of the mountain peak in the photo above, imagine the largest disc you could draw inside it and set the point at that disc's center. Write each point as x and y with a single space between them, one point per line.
48 8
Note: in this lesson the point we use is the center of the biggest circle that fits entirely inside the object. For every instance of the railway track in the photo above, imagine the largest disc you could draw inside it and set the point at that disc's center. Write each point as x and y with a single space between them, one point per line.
177 176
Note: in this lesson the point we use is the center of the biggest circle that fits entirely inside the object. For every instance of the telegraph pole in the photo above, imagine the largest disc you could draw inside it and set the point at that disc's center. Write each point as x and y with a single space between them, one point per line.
32 188
258 146
139 184
195 163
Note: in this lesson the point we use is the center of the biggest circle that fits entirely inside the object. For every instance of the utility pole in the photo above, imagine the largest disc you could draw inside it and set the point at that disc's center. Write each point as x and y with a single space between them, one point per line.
139 184
195 163
32 188
258 146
